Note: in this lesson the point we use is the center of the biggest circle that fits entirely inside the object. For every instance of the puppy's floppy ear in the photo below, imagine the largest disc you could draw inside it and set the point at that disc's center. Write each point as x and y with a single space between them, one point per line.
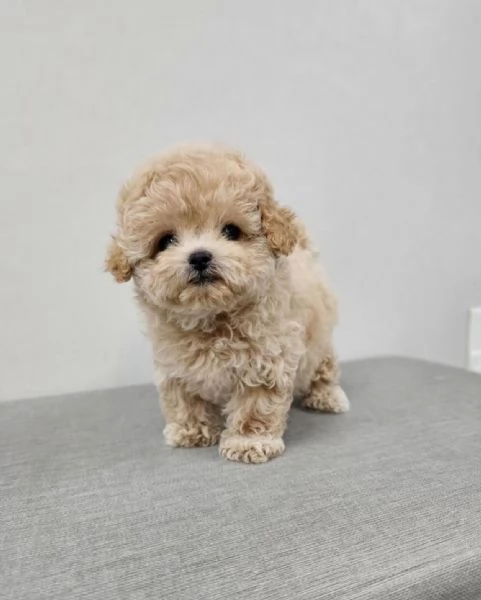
117 263
280 226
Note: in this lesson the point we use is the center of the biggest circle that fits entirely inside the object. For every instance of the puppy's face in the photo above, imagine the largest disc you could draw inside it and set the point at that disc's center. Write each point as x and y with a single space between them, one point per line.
200 232
204 253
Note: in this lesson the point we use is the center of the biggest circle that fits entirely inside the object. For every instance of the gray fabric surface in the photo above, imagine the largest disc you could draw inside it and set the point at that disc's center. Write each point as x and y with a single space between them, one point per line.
383 502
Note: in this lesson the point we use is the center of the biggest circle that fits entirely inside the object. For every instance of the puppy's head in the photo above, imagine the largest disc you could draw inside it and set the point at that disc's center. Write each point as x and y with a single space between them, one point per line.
199 231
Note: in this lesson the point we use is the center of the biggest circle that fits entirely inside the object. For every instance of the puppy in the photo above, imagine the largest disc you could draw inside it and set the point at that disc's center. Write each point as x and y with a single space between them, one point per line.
239 315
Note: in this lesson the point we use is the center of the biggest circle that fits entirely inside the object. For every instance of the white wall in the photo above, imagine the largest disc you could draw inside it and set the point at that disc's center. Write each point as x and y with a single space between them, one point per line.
366 114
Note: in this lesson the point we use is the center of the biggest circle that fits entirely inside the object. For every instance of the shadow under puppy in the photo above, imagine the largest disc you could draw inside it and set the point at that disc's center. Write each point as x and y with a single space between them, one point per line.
238 312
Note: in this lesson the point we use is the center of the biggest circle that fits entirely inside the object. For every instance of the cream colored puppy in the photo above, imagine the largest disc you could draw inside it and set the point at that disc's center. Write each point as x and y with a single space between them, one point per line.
238 313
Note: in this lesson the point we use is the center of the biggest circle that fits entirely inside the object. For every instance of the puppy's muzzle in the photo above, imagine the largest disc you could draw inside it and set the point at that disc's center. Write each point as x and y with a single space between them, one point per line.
200 260
202 267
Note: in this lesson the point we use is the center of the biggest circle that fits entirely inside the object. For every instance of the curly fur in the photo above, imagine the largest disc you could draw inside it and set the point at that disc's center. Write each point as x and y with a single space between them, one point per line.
231 354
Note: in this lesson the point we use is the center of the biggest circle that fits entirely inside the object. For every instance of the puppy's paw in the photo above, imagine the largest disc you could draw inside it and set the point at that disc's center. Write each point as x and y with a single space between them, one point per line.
188 436
255 449
328 398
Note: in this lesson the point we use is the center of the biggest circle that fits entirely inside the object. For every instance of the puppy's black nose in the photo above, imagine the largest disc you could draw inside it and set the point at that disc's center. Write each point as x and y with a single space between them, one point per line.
200 260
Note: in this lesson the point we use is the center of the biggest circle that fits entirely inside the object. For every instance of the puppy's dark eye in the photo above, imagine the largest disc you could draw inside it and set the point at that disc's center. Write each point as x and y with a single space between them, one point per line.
165 241
231 232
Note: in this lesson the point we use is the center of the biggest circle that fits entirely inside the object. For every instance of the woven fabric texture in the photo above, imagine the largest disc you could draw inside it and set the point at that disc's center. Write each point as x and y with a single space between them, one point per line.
382 502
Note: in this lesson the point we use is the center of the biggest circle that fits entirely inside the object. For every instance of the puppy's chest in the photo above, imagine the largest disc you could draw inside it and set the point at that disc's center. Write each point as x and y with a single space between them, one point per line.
212 366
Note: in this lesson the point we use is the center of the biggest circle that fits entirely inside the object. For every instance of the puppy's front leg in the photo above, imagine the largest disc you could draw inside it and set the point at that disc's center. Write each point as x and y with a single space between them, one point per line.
256 419
191 421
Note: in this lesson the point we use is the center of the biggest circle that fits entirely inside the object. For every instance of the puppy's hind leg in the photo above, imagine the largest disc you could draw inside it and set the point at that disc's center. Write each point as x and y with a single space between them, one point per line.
325 393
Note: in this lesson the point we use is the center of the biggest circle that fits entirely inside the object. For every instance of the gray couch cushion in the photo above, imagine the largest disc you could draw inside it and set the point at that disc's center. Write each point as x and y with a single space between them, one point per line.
383 502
